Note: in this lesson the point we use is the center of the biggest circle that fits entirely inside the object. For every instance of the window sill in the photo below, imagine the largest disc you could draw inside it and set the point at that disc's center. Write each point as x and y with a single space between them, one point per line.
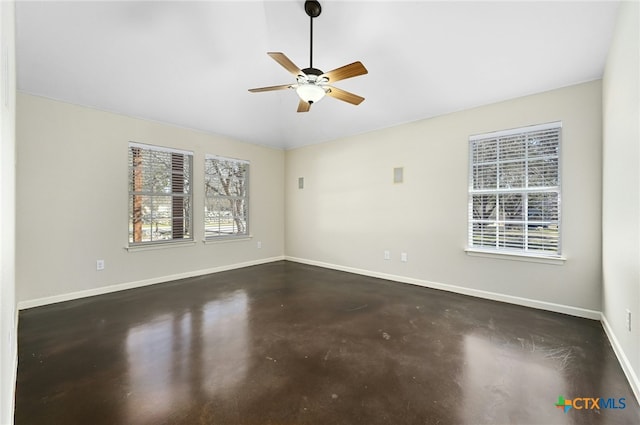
159 245
516 256
225 239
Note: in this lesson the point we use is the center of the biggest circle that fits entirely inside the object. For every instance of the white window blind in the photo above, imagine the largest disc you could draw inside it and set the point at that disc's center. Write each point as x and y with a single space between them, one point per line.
514 191
226 209
159 194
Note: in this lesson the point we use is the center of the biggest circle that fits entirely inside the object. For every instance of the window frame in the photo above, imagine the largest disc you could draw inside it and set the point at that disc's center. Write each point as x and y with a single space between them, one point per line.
246 198
187 217
524 253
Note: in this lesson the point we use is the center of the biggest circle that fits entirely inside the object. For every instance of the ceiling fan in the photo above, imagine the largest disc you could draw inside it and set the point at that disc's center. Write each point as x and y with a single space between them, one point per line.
311 83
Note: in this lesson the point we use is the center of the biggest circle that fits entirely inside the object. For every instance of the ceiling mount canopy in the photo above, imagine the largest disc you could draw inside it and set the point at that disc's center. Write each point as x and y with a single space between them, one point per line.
313 8
311 83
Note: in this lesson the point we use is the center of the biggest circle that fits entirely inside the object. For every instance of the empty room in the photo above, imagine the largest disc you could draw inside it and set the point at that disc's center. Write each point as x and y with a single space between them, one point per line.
319 212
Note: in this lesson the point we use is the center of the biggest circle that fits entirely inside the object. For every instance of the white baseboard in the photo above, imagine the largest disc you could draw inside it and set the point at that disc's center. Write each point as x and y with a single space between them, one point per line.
622 358
527 302
22 305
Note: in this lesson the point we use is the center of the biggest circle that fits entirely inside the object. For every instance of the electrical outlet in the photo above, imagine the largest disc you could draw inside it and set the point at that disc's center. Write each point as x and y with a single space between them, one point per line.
100 265
628 317
387 255
403 257
259 244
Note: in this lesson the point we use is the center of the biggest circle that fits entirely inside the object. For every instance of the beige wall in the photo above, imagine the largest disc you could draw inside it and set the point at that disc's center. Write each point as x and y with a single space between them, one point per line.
8 322
350 211
72 203
621 189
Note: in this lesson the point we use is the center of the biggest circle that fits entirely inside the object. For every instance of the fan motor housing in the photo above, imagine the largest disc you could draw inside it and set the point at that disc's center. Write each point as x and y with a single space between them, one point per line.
312 71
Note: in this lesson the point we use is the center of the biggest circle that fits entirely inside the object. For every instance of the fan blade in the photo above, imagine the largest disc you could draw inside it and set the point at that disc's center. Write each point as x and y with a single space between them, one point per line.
271 88
344 72
303 106
344 95
286 63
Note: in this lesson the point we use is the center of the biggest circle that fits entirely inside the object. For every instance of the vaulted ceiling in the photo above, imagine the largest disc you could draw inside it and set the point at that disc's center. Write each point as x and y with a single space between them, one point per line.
190 63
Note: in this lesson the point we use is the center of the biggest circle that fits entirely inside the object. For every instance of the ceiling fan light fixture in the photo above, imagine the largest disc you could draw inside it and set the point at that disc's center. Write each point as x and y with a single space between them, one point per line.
311 83
310 93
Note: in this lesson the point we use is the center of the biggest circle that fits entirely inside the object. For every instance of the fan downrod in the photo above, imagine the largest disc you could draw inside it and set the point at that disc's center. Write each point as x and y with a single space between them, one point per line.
313 8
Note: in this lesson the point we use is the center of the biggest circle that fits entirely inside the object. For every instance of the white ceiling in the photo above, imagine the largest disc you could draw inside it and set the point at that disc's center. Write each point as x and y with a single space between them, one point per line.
190 63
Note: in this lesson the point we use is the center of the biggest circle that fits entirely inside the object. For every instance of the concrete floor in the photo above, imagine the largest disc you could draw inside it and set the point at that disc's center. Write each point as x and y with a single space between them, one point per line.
286 343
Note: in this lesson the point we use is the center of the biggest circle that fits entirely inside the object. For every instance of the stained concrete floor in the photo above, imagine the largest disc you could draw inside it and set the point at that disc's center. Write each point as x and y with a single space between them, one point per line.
286 343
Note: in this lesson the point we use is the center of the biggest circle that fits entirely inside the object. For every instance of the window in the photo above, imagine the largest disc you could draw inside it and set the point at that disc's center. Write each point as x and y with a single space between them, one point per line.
514 191
226 208
159 194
